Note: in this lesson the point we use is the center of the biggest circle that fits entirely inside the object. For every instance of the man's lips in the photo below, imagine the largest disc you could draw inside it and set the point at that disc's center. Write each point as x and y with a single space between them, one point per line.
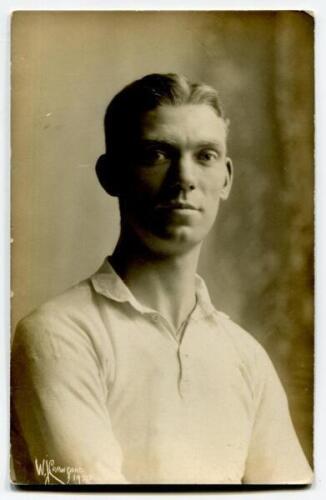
176 205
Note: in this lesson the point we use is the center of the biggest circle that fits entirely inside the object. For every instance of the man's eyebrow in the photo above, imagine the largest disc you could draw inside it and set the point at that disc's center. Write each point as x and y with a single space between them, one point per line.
152 143
210 145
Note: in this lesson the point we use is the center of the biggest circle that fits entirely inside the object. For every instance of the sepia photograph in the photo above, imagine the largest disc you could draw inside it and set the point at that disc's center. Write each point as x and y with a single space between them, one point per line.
162 252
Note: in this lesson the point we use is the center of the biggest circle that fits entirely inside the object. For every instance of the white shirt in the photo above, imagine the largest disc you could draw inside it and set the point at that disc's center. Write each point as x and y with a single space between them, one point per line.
102 386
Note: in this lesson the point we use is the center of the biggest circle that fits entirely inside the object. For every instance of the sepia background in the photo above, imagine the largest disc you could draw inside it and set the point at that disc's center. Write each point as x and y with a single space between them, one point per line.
258 259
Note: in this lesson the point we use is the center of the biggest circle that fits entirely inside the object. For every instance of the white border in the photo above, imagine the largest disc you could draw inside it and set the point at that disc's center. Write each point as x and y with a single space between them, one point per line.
318 490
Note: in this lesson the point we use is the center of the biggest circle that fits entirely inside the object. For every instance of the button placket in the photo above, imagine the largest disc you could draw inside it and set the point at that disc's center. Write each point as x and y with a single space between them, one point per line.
184 380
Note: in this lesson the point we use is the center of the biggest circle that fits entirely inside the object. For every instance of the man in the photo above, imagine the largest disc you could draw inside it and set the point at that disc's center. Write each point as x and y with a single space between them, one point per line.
132 376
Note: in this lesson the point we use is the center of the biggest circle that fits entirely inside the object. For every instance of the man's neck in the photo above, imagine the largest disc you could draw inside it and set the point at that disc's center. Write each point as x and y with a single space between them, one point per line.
163 283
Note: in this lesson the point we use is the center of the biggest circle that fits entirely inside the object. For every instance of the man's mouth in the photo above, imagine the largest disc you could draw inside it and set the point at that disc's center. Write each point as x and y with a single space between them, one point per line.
176 205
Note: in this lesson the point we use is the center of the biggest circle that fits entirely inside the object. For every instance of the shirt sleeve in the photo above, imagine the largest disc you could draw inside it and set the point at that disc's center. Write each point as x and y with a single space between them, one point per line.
59 407
275 454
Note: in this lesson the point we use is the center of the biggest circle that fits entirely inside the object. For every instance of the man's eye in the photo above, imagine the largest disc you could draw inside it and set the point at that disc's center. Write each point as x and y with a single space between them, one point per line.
208 156
158 155
153 157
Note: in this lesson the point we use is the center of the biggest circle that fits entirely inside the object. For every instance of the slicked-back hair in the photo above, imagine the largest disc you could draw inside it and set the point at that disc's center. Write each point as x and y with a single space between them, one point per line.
124 112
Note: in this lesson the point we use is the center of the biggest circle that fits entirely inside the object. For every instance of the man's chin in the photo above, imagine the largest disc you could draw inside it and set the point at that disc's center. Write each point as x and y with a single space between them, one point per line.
173 240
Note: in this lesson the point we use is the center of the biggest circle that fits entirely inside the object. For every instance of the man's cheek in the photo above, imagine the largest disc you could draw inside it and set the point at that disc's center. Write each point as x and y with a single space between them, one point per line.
138 192
219 178
213 192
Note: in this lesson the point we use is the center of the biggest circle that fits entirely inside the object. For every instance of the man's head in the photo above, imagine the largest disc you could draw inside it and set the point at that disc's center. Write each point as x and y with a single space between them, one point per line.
166 160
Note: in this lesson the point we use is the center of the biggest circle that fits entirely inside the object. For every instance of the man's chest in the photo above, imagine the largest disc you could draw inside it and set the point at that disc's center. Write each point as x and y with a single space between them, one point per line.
189 403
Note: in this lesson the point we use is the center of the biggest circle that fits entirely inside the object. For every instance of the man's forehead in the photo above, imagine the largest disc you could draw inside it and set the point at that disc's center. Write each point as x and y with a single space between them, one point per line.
197 122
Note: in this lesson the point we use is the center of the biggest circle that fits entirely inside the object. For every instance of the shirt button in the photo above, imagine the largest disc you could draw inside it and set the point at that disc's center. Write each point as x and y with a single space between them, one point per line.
184 387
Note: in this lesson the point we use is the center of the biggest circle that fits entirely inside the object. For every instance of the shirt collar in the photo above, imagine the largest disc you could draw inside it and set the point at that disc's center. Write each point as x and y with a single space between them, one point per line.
108 283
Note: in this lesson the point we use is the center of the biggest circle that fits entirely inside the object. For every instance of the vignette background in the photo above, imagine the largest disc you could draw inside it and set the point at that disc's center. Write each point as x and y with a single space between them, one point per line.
258 259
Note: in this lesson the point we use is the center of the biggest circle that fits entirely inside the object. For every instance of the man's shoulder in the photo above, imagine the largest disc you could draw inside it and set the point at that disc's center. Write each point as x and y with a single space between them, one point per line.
60 318
73 300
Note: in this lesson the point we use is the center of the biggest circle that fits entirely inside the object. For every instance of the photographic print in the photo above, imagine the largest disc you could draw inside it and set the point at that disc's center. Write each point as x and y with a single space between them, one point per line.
162 248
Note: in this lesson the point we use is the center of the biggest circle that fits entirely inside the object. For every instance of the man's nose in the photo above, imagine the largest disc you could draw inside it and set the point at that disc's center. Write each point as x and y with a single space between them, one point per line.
184 174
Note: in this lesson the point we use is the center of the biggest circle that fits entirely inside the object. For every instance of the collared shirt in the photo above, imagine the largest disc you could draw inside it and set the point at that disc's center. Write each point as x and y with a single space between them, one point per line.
102 387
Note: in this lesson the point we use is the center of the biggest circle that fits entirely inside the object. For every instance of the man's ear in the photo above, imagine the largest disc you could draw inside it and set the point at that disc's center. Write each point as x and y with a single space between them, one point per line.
228 179
107 175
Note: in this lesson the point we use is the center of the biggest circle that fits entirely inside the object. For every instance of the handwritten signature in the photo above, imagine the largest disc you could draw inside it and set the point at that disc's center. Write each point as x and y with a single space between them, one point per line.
53 473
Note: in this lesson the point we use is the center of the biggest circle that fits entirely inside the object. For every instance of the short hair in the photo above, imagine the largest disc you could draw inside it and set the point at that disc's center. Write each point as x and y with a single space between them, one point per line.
129 105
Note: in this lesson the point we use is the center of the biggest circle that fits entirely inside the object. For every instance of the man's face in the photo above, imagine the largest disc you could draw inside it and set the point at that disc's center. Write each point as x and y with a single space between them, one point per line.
177 174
